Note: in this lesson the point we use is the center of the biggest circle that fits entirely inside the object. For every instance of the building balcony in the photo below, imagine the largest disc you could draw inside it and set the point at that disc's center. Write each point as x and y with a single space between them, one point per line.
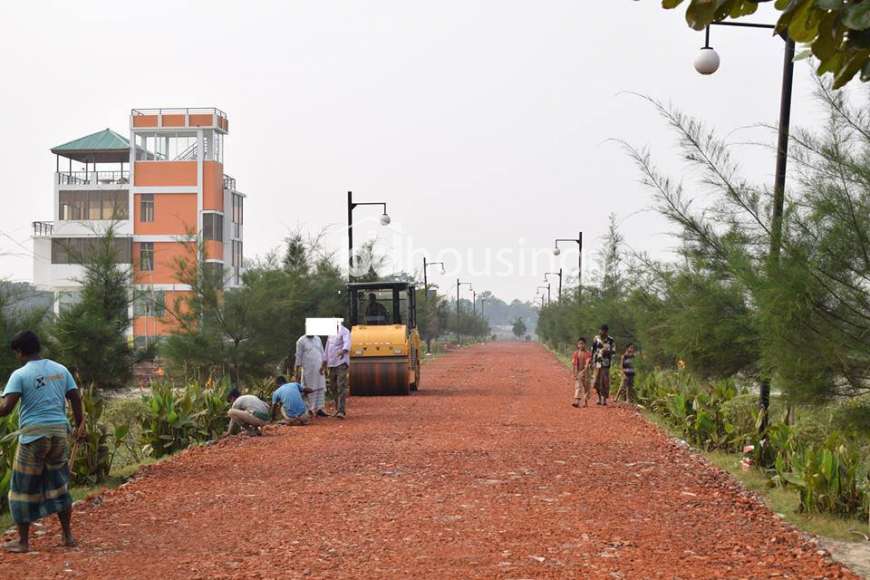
92 178
180 118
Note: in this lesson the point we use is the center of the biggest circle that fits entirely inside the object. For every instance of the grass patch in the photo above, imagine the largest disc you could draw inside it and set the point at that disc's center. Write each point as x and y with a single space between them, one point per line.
786 502
782 501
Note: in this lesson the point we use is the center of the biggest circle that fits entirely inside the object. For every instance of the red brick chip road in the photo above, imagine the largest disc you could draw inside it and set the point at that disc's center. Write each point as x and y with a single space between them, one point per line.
487 472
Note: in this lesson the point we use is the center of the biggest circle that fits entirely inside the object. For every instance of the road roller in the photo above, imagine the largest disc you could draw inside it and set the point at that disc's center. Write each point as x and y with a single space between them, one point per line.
385 343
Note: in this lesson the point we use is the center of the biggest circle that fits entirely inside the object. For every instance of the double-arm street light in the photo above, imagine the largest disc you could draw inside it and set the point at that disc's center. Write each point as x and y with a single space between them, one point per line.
352 205
559 274
579 242
706 63
426 265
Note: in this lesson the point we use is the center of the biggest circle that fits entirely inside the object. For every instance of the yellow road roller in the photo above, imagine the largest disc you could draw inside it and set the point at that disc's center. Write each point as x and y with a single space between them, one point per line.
385 343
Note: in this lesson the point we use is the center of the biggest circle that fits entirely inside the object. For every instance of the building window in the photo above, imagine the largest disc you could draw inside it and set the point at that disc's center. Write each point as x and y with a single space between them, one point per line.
93 205
146 208
214 272
213 227
150 303
166 146
146 256
83 250
144 343
67 299
237 261
238 216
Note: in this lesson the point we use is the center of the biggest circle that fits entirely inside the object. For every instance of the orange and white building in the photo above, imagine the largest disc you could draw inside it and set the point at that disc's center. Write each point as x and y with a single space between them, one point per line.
157 188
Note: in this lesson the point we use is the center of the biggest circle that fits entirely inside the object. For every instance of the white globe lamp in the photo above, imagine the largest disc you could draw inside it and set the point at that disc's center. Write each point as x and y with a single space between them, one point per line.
707 61
556 251
385 220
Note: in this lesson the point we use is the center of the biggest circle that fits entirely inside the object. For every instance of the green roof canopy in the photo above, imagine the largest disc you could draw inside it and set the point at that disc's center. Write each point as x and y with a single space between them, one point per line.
101 147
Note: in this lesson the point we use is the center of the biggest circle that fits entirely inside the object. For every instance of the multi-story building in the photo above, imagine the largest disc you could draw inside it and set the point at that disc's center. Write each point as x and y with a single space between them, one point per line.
163 191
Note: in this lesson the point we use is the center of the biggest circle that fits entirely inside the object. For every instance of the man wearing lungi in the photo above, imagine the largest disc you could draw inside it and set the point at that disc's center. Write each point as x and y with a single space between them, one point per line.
603 349
311 372
40 473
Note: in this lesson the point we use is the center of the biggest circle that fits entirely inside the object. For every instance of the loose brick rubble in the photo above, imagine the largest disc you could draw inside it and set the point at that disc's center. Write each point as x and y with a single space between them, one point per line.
486 472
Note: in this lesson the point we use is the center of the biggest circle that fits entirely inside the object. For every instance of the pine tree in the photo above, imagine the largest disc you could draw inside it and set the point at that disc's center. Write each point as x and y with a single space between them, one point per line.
90 337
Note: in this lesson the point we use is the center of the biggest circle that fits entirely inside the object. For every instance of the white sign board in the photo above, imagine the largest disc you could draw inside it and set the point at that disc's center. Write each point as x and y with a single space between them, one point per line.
322 326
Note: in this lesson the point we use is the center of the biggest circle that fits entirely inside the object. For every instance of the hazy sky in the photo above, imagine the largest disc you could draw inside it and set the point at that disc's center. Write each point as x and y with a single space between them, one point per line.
483 124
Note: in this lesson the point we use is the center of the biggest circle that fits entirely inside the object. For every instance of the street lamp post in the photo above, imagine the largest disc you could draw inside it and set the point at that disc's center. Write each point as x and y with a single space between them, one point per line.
547 288
474 301
459 284
426 266
559 274
351 205
707 63
579 242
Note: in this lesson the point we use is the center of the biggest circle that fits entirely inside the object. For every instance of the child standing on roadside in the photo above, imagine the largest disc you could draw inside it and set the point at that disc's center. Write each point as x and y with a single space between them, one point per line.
580 362
628 373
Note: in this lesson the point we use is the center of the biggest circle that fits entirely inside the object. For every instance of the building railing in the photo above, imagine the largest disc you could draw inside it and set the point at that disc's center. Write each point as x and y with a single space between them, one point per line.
229 182
180 111
43 229
93 177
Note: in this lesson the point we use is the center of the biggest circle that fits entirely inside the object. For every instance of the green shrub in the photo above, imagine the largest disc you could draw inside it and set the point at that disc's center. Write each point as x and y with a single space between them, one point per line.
94 454
168 427
852 416
176 420
741 412
829 478
211 416
811 431
694 409
126 413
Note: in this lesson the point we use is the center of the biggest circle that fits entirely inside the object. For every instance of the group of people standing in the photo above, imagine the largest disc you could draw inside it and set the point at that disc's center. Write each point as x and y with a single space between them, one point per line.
318 371
592 368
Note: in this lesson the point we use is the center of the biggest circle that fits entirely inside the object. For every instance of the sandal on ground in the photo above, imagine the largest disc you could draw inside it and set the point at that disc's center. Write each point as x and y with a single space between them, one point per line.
16 548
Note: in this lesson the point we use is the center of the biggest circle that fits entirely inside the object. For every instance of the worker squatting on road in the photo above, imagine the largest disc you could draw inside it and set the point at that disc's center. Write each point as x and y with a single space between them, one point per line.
40 472
288 399
247 412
